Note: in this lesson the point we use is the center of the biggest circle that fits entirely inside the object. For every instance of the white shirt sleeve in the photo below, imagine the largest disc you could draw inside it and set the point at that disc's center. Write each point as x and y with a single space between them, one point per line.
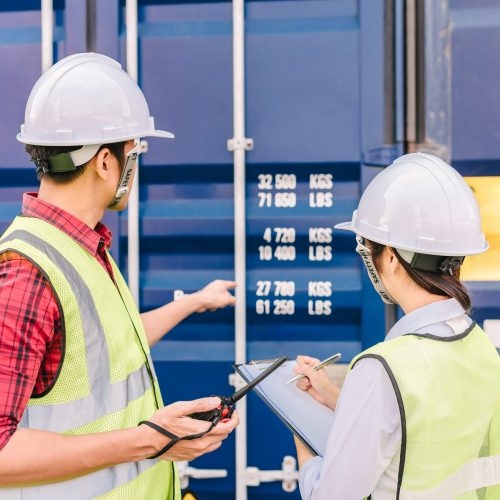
364 439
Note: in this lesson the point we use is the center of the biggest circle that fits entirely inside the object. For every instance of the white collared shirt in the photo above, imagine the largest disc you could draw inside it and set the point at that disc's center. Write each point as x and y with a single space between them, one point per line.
362 456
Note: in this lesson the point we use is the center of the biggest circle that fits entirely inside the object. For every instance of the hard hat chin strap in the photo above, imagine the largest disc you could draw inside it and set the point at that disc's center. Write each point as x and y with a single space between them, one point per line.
366 256
422 262
431 263
66 162
127 173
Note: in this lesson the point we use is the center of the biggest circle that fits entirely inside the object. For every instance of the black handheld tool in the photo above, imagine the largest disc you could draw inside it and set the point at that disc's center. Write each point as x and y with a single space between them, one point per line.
226 408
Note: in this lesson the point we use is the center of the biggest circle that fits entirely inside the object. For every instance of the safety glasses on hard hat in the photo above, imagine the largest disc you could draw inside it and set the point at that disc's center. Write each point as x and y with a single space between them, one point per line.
128 171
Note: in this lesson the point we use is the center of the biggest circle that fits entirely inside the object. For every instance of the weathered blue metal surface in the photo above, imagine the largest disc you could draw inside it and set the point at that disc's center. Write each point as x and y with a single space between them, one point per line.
317 109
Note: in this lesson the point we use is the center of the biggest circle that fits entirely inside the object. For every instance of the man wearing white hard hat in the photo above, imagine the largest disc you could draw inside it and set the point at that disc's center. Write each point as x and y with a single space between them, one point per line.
81 411
418 416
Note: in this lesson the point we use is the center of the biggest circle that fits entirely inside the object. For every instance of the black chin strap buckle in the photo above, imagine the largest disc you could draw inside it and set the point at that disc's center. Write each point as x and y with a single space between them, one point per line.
450 264
41 165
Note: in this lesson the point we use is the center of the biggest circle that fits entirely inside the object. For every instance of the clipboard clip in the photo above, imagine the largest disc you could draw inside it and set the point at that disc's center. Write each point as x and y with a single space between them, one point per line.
256 362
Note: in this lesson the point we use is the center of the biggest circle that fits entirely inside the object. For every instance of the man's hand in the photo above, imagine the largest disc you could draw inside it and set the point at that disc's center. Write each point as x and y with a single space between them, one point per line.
316 383
174 418
60 457
215 295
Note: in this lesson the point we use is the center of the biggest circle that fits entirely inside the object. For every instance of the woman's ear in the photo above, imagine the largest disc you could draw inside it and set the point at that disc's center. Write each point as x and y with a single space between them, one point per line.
392 262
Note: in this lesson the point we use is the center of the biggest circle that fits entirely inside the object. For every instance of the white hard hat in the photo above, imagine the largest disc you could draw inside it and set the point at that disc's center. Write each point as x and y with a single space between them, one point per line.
422 205
86 99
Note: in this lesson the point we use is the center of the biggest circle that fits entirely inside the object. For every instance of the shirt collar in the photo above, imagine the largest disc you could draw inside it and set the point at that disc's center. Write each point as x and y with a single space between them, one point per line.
436 312
87 237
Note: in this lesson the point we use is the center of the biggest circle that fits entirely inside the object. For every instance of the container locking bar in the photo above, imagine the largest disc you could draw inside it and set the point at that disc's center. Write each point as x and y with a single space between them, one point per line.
288 475
186 471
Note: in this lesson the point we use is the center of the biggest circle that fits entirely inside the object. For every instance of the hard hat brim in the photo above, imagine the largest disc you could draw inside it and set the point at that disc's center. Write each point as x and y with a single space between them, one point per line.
345 226
162 134
349 226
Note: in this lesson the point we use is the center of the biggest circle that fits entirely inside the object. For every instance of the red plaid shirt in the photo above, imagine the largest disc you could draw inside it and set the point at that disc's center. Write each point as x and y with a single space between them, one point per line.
30 322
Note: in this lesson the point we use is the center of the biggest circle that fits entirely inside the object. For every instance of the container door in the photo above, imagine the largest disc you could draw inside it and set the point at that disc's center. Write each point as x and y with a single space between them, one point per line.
21 65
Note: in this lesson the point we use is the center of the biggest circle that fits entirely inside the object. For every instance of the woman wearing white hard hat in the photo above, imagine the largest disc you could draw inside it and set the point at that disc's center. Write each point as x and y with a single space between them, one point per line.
418 416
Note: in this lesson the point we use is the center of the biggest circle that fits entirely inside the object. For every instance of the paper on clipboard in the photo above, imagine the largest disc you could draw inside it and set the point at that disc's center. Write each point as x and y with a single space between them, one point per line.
309 420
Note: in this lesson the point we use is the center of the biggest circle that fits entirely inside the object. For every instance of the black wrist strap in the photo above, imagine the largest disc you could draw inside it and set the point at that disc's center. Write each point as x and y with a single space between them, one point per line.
174 439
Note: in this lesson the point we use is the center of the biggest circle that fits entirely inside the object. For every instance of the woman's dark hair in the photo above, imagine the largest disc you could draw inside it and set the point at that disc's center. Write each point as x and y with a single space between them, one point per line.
46 152
444 284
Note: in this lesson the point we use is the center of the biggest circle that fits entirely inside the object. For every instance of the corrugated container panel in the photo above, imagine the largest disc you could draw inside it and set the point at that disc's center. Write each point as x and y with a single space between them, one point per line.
20 56
20 37
306 101
318 109
475 125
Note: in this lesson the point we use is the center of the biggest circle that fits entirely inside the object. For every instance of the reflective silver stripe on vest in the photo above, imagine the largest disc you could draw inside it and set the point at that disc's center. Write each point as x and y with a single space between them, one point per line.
471 477
65 416
83 487
95 341
105 398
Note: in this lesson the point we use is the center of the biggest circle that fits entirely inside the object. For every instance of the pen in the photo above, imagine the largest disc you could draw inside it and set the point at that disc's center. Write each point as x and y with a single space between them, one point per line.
319 366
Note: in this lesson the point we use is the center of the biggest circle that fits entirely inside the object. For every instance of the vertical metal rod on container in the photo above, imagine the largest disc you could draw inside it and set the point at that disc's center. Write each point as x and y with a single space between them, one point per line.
239 229
47 34
133 201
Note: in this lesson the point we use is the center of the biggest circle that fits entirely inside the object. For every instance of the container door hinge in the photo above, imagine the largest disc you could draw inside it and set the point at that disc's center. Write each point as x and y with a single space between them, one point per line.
288 475
235 144
186 471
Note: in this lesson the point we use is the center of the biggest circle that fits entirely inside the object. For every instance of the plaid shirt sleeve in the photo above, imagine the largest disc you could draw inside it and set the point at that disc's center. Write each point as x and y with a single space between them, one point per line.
28 318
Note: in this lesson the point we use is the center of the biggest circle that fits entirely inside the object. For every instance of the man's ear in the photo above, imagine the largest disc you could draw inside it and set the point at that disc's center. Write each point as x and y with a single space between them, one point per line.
102 163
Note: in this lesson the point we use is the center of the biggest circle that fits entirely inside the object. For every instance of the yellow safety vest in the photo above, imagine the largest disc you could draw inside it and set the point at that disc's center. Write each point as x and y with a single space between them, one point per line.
448 392
106 381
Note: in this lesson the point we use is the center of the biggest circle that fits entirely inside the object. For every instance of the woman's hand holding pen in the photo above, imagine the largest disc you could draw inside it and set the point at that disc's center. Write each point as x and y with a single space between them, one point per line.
316 383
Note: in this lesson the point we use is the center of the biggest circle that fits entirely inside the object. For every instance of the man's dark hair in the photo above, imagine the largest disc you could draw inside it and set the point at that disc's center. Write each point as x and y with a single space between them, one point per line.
46 152
446 285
